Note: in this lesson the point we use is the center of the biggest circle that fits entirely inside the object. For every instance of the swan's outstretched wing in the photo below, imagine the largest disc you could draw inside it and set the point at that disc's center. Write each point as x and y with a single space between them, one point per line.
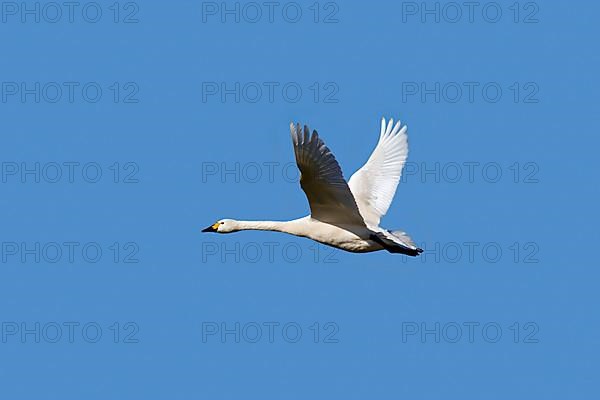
321 178
374 184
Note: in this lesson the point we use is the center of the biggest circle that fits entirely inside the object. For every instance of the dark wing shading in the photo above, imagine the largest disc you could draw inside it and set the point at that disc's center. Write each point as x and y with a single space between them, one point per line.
321 178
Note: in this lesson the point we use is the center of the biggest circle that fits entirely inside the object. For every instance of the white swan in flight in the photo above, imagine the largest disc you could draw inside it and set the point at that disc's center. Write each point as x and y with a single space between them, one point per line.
343 215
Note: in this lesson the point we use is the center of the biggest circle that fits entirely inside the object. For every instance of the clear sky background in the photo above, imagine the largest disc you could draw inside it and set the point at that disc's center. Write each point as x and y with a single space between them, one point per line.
109 290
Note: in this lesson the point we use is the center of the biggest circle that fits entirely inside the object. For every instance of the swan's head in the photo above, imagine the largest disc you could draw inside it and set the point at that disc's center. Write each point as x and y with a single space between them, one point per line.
222 226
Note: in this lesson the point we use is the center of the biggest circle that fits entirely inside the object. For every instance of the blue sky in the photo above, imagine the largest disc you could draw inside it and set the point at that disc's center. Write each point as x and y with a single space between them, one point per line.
128 127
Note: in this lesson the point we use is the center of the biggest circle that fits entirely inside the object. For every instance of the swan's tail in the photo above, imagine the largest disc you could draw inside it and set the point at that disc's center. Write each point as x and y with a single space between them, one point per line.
397 242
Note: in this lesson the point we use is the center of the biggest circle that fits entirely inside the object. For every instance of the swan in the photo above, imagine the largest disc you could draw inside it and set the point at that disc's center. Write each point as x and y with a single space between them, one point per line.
344 215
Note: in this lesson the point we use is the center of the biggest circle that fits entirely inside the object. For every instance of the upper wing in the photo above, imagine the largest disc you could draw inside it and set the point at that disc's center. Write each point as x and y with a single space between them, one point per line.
321 178
375 183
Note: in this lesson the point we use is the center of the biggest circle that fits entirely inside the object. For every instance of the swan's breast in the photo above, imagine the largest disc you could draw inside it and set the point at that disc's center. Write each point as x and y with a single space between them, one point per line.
351 238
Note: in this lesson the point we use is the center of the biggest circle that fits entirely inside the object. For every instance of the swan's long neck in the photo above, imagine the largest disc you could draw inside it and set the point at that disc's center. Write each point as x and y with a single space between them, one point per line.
276 226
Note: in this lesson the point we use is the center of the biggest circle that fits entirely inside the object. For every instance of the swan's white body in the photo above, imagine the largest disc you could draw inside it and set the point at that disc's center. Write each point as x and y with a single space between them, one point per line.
343 215
343 237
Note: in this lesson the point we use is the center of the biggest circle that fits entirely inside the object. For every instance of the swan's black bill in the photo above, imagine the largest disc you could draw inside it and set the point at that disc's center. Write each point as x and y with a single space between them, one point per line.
210 229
